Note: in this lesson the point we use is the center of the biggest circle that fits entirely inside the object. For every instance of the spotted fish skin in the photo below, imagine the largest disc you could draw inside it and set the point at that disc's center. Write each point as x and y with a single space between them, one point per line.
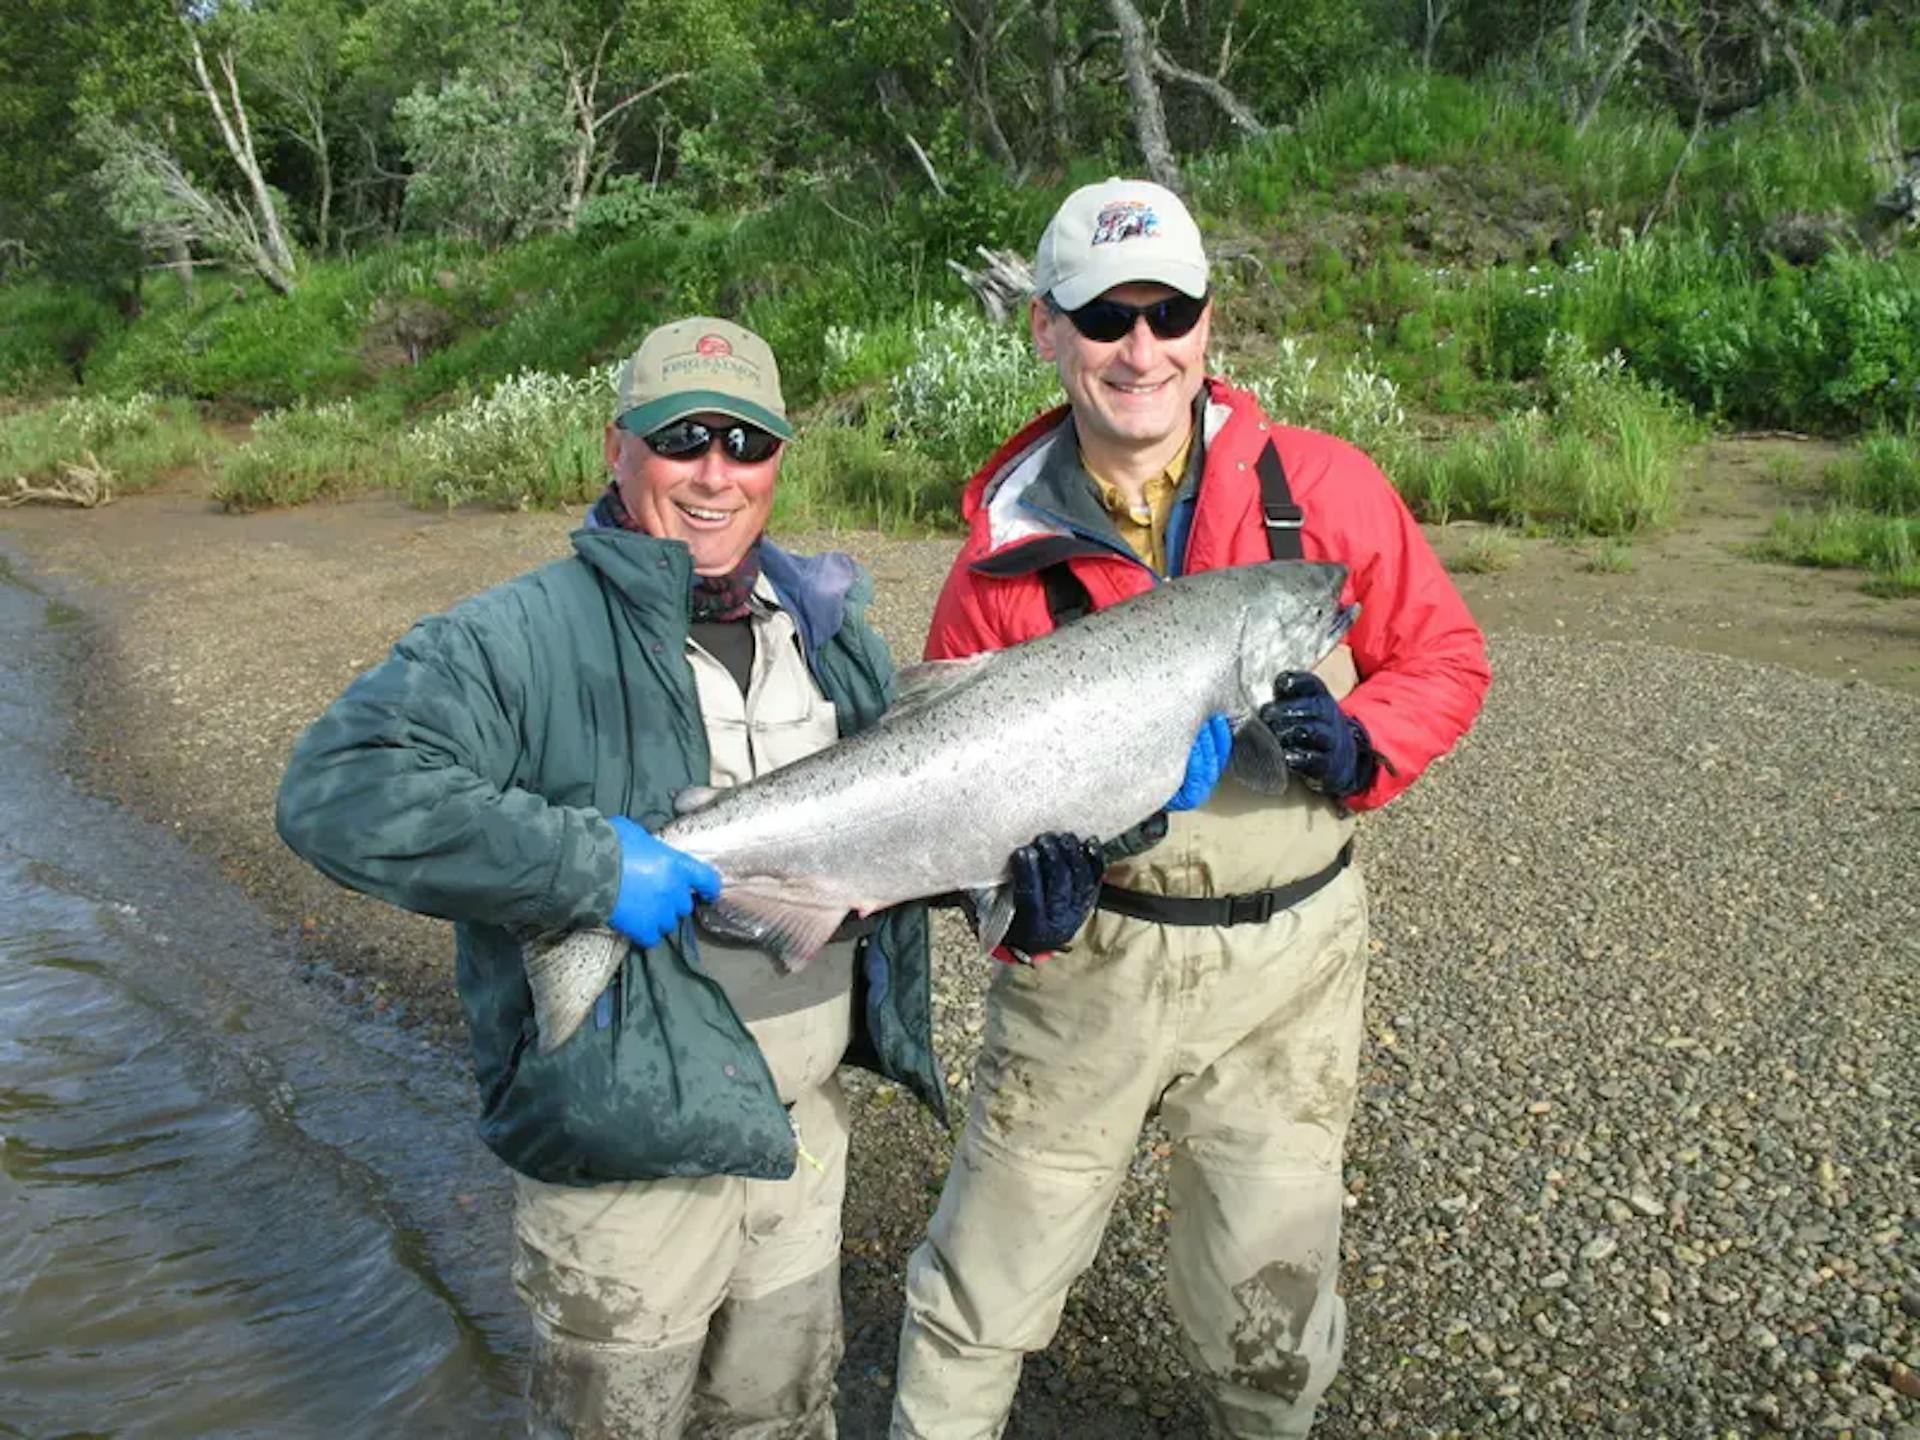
567 973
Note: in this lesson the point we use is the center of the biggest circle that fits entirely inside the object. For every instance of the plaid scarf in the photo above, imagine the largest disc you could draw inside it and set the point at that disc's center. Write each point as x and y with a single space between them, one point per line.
715 597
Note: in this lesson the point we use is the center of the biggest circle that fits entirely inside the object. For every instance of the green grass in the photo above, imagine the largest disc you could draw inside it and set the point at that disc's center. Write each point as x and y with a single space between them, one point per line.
1602 458
1887 547
1871 520
969 386
877 339
305 453
46 334
1487 552
139 439
1882 475
837 476
1805 153
534 441
1831 347
1610 557
236 345
1699 305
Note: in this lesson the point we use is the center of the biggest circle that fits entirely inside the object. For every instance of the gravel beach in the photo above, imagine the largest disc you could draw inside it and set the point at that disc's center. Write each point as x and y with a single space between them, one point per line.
1639 1144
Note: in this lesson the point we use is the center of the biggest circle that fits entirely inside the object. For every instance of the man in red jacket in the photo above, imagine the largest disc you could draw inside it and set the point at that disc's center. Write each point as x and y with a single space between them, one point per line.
1209 967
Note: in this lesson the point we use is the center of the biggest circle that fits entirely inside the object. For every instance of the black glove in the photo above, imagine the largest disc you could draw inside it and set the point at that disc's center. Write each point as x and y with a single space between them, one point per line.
1055 882
1323 745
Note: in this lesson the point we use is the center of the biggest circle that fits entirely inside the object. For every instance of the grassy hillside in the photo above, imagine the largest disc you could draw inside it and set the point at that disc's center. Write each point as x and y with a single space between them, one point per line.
1523 323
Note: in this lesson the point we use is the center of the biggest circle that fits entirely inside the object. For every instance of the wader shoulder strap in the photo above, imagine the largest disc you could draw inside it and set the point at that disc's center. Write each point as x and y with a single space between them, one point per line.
1067 597
1284 518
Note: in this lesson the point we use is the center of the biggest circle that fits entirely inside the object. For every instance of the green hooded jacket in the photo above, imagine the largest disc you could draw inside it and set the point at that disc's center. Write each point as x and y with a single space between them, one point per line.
469 775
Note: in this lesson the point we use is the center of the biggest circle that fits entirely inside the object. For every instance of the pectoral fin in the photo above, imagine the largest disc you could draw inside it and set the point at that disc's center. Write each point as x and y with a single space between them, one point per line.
1257 761
695 797
916 686
993 914
790 925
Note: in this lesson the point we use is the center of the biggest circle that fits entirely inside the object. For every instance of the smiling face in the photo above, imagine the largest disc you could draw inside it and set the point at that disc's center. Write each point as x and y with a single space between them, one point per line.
1131 397
716 505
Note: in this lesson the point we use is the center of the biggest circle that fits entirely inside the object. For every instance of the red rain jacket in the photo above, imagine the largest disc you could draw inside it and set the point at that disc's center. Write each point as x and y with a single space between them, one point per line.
1422 661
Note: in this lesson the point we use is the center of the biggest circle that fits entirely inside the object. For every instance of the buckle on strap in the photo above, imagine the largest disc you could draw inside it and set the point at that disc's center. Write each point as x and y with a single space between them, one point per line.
1284 517
1252 909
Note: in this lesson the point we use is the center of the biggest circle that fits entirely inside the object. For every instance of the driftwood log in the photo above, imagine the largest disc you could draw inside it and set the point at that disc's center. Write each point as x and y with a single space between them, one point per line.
1002 285
87 484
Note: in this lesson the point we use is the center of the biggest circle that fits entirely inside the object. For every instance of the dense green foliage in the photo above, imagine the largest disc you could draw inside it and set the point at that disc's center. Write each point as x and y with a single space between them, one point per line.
489 203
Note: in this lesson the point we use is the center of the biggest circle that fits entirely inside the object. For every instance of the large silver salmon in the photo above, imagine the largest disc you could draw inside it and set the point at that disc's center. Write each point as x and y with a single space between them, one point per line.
1086 729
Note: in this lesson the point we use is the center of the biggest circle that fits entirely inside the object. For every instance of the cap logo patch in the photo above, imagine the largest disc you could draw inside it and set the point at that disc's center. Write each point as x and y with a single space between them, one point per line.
713 345
1125 220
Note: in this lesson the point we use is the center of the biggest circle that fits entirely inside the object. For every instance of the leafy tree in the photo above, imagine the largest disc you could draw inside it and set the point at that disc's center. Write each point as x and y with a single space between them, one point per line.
292 55
58 58
485 148
148 192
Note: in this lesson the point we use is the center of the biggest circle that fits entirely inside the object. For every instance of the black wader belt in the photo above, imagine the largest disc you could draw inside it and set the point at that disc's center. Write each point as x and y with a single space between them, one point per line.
1067 598
1254 908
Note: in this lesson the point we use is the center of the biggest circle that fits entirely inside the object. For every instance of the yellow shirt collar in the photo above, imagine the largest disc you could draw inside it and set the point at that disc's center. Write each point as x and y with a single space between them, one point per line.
1144 526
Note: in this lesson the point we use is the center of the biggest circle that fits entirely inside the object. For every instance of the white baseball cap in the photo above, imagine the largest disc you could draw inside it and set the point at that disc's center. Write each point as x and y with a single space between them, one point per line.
1116 233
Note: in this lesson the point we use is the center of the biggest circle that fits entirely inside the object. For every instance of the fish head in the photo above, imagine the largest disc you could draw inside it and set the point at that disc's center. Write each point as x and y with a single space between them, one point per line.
1292 618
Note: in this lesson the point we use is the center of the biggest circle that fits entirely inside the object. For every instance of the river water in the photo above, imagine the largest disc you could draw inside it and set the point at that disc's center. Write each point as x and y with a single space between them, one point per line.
228 1205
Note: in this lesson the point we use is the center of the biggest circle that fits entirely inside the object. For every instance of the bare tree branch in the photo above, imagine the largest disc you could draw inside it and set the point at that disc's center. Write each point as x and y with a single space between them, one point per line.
586 165
1095 39
1236 109
1002 285
1635 30
87 484
239 140
926 165
150 191
1059 132
306 95
1672 191
1138 51
887 88
981 32
1438 12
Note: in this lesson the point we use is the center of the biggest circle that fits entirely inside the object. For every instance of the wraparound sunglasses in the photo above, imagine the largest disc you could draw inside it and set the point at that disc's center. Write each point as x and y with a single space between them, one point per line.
1110 320
690 439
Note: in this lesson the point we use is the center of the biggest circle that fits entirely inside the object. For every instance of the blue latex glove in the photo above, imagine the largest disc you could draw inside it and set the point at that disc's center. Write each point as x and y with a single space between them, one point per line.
1055 882
1323 745
1208 758
657 884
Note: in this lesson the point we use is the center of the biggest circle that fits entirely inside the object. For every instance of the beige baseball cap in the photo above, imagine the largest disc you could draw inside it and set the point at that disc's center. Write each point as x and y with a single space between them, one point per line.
1116 233
696 365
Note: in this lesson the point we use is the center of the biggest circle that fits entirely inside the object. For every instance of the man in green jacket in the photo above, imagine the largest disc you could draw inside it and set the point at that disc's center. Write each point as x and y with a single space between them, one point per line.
679 1162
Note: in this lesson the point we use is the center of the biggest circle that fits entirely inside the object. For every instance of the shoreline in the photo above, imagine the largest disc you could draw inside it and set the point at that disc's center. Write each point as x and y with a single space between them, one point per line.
1547 919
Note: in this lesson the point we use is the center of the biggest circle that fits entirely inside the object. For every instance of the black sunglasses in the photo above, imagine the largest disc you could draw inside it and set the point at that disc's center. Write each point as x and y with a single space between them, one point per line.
690 439
1110 320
